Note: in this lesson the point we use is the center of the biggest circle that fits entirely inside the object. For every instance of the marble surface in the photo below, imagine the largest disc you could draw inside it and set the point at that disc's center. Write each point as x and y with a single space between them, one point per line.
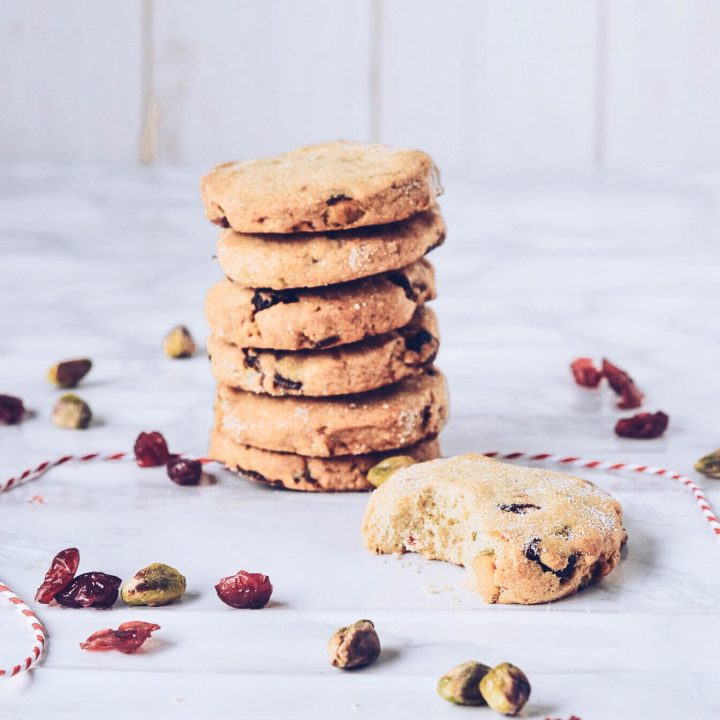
535 272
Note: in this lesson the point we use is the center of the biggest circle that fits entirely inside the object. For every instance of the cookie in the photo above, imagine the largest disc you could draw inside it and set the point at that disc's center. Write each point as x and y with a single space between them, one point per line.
359 367
311 474
528 535
391 417
331 186
314 259
318 318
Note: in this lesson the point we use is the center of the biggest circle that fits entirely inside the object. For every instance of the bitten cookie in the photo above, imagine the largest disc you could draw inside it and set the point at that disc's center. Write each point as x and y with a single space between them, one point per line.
318 318
311 474
528 535
331 186
391 417
315 259
361 366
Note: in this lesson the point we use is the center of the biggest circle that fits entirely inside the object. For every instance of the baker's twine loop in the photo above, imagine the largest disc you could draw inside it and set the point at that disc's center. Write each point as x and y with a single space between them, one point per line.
31 620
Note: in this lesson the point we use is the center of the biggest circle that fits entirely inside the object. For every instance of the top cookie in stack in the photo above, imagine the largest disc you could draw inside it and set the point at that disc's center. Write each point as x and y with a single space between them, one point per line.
321 342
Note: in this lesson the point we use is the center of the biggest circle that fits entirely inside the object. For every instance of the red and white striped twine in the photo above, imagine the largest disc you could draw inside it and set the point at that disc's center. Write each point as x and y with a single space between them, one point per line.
45 465
36 627
565 460
36 472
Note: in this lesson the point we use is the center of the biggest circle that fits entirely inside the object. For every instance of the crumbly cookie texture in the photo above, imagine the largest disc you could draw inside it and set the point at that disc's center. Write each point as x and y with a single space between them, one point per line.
310 474
318 318
391 417
330 186
358 367
315 259
528 535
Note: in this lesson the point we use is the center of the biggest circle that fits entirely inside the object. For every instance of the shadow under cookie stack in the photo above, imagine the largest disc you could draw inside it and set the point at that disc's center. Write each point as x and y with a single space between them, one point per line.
321 344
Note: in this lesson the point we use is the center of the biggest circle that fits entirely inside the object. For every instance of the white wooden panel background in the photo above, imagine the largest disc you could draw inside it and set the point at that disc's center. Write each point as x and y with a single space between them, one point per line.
487 86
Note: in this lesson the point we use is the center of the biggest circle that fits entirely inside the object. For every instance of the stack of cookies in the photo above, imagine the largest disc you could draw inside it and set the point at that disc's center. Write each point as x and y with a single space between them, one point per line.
321 342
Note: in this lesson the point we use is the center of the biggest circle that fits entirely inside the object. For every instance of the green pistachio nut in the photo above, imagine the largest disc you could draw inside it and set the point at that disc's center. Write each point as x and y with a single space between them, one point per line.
709 465
157 584
505 689
381 472
68 373
71 412
461 685
179 343
354 646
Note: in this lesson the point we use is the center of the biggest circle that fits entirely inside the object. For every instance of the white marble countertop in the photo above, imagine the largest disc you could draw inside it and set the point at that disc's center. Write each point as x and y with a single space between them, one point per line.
101 263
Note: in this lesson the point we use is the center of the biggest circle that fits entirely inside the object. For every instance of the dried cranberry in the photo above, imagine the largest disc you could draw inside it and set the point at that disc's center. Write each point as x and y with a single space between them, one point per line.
643 426
151 449
127 638
532 552
183 471
11 410
585 372
91 589
631 398
245 590
415 341
285 383
264 299
335 199
402 280
630 395
519 508
62 570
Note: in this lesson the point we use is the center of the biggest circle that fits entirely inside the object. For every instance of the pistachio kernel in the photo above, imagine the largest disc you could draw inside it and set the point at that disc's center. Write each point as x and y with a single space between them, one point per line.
69 373
179 343
71 412
709 465
355 645
157 584
506 689
382 472
461 685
